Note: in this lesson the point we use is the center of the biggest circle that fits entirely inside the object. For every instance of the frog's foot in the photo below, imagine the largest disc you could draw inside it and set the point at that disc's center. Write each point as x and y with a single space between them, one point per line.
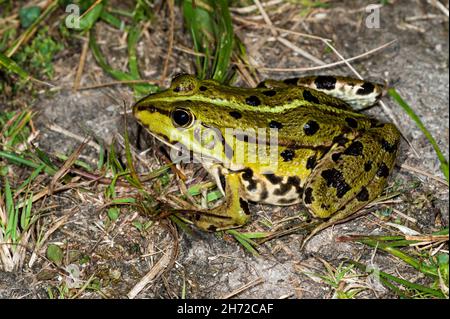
351 175
233 213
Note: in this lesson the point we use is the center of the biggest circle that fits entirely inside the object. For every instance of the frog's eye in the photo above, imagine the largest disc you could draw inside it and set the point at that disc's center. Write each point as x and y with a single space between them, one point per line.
182 118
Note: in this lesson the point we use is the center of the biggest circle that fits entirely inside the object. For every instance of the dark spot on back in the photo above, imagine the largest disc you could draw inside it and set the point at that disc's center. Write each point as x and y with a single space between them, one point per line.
287 155
363 195
390 148
310 128
355 149
292 81
253 100
202 88
244 205
335 157
308 96
325 82
383 170
368 166
308 197
340 140
366 89
351 122
275 124
269 93
236 115
335 178
262 84
311 162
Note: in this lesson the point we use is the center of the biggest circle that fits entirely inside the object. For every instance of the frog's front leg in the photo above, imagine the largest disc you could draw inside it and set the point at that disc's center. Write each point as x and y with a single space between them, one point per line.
234 212
351 175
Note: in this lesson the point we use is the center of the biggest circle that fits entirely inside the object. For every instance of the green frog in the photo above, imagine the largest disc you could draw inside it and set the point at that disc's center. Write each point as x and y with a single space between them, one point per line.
300 140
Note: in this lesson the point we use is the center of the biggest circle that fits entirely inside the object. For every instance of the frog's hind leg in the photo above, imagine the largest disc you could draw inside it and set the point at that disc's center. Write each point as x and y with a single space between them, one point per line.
359 94
351 175
234 212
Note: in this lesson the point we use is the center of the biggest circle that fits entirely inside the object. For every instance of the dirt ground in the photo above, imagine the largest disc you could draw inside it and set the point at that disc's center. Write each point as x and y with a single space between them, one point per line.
210 266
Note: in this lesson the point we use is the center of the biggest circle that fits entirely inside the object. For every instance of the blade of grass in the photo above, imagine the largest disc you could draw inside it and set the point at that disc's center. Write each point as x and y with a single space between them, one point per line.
10 65
244 241
141 88
444 163
17 159
422 267
224 39
400 281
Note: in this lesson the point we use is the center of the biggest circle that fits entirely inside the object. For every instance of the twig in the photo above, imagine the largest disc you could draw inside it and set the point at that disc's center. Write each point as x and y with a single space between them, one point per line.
253 283
422 172
84 50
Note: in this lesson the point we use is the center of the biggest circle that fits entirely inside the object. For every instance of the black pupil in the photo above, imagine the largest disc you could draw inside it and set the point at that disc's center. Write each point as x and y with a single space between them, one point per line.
181 117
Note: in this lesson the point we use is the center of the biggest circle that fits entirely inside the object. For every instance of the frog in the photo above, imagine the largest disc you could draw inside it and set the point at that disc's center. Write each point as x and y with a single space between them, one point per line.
323 152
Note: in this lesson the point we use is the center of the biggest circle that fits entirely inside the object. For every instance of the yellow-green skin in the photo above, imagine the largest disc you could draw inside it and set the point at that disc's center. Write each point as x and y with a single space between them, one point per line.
329 157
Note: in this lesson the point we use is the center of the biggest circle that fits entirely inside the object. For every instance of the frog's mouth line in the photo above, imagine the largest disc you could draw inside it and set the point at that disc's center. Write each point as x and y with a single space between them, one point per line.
166 142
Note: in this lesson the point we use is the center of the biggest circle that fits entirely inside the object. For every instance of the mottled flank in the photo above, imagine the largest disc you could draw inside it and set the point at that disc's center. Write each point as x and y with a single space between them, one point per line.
274 179
366 89
325 82
335 178
212 228
247 175
202 88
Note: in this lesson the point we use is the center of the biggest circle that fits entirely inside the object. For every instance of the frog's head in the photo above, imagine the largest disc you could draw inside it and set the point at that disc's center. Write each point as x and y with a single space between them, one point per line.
181 115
